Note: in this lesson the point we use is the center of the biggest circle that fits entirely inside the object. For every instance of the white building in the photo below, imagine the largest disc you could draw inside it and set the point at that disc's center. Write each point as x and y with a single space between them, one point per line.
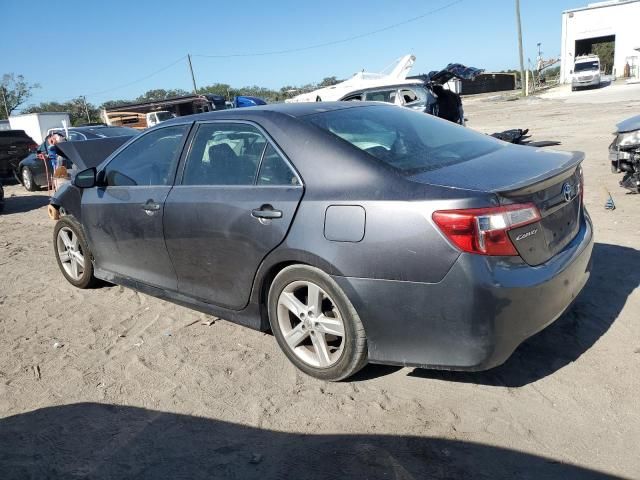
616 20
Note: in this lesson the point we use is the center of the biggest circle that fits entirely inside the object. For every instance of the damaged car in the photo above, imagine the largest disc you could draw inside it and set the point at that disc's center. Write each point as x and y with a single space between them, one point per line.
426 93
355 232
624 153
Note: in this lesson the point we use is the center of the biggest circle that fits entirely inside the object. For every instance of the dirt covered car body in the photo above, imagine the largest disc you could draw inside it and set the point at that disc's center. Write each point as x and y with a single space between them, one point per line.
354 231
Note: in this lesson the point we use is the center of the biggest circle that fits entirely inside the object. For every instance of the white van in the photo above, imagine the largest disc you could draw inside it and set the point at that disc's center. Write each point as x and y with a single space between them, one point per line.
586 72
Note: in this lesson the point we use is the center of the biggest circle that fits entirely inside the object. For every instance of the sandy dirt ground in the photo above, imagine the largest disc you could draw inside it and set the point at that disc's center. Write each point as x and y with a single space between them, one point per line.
110 383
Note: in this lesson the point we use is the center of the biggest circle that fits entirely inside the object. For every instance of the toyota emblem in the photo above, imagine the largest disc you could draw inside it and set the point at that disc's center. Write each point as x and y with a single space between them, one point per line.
567 192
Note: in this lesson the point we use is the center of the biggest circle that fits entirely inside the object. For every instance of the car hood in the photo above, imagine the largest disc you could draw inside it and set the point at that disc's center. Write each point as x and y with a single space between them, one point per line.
629 125
509 168
90 153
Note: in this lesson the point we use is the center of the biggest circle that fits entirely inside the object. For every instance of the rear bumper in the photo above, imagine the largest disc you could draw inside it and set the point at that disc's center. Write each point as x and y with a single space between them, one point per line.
477 315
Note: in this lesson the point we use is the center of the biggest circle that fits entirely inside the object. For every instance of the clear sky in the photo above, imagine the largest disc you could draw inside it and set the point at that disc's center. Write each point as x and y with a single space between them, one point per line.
98 48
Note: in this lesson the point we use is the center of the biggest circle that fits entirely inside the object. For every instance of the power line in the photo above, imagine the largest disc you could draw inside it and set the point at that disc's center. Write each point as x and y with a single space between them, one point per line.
138 80
281 52
334 42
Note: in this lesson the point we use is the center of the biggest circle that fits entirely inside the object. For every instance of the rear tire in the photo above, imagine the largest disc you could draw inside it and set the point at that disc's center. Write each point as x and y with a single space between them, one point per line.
27 180
72 253
315 324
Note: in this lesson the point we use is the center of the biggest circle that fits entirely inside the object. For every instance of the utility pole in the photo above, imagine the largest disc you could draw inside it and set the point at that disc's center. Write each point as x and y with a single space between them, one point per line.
522 79
193 78
86 109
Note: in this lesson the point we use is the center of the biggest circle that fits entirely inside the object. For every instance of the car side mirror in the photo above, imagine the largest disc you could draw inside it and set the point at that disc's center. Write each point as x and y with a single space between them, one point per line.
570 72
85 178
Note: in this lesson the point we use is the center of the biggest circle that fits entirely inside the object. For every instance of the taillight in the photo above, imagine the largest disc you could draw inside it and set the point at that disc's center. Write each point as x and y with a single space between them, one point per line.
33 147
484 230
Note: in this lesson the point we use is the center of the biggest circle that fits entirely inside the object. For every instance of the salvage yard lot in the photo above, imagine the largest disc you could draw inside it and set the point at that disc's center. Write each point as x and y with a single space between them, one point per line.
110 383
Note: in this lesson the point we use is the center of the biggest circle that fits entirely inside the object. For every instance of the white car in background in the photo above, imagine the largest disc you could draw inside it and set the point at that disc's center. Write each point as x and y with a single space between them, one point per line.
586 72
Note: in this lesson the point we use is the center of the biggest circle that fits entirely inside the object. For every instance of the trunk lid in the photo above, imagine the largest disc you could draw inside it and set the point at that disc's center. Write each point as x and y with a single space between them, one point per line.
90 153
516 174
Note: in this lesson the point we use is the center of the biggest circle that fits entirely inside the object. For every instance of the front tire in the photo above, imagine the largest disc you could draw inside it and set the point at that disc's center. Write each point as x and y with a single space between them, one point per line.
72 253
27 180
315 324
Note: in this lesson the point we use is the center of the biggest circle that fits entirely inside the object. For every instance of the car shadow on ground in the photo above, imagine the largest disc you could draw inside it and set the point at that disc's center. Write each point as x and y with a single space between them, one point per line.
615 275
24 203
90 440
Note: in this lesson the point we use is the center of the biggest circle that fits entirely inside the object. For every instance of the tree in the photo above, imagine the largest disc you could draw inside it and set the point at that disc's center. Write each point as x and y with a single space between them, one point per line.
161 94
328 81
605 51
115 103
14 91
76 109
222 89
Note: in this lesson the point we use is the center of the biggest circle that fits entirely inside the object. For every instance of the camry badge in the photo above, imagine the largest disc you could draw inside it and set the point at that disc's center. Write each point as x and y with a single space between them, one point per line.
522 236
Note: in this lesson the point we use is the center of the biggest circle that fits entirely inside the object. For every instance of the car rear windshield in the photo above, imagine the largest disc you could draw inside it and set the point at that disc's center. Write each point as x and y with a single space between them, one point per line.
410 141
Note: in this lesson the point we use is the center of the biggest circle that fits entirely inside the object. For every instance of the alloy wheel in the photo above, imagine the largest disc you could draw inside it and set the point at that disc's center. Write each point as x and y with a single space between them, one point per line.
26 178
70 253
311 324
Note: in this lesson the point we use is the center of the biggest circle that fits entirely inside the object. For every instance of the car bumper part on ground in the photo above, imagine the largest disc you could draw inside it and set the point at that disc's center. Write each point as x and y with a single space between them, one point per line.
477 315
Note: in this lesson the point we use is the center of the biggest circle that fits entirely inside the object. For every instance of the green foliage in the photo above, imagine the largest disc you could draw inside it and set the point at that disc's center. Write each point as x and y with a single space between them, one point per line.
14 91
605 51
550 72
78 114
161 94
75 108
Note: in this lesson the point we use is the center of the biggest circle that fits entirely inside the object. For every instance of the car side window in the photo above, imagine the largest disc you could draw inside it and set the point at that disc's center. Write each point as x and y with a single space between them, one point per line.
224 154
274 170
388 96
356 97
149 160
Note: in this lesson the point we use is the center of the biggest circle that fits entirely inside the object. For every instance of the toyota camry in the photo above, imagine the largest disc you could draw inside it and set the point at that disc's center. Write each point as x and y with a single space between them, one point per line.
355 232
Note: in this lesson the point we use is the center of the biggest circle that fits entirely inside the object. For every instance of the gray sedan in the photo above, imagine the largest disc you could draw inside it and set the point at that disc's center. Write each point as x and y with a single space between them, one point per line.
354 232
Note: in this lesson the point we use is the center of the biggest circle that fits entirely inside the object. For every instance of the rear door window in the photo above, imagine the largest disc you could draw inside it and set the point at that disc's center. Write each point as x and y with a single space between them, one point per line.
274 170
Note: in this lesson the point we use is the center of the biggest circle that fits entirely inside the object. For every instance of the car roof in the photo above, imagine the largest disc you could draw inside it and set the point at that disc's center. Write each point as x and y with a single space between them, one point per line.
296 110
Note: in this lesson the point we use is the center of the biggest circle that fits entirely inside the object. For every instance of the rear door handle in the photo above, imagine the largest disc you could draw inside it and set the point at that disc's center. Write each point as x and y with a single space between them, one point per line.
266 211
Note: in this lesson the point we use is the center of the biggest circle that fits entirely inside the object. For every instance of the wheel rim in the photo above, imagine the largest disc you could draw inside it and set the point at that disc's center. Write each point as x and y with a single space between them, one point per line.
311 324
26 178
70 253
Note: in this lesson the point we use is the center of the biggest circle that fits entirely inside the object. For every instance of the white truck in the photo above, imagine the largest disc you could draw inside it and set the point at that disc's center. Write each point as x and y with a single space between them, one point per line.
586 72
36 125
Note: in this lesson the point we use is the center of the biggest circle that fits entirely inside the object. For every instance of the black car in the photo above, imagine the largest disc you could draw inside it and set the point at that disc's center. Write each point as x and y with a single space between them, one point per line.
14 145
32 172
1 198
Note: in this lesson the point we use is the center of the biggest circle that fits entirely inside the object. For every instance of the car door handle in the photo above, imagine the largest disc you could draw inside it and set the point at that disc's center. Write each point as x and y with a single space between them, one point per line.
266 211
151 206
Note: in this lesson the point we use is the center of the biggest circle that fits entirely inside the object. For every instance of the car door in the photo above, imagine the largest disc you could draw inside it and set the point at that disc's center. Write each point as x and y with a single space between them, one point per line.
236 199
123 218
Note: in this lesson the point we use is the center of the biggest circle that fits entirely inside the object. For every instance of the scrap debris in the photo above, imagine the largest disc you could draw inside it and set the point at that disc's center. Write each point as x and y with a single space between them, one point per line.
609 204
